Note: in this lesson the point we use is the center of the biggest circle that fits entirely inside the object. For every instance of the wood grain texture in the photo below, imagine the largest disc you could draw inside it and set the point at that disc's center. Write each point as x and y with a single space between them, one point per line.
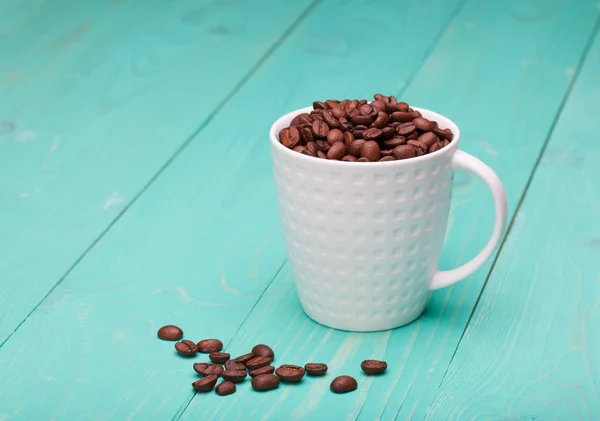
199 246
96 98
531 350
505 92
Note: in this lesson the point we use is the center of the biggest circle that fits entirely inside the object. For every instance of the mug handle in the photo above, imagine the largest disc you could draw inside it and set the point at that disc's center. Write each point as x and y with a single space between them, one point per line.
463 161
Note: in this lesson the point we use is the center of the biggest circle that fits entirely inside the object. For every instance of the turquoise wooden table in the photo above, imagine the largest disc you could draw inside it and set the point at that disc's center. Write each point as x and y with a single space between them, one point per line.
136 190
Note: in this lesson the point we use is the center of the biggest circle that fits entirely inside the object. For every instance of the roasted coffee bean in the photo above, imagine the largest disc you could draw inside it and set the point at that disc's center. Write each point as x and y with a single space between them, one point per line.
332 103
368 110
370 150
362 120
315 369
372 134
290 373
335 135
306 134
390 107
387 152
436 147
349 158
393 142
322 145
415 114
329 119
210 345
343 384
393 100
206 369
300 119
336 151
358 132
265 382
243 359
170 333
401 117
404 152
379 103
269 369
299 148
351 113
373 366
388 132
413 136
402 106
343 124
419 146
405 129
355 146
444 133
348 139
381 97
362 159
338 112
320 129
225 388
380 122
234 366
258 362
186 348
423 124
206 384
318 105
294 137
234 376
219 357
428 138
308 152
312 148
387 158
321 154
446 142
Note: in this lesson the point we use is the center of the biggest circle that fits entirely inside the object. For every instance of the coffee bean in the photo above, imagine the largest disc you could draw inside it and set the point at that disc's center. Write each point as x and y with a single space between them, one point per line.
225 388
354 148
301 119
405 129
436 147
372 134
186 348
299 148
379 103
329 119
369 111
338 112
428 138
343 124
444 134
387 158
362 120
315 369
258 362
206 384
402 106
415 114
321 154
343 384
234 376
393 100
363 159
423 124
446 142
358 131
373 366
393 142
234 366
348 139
332 103
337 151
318 105
170 333
210 345
390 107
265 382
404 152
206 369
307 152
370 150
320 129
388 132
387 152
419 146
380 121
381 97
312 148
349 158
219 357
269 369
351 113
243 359
290 373
306 134
336 135
413 136
322 145
401 117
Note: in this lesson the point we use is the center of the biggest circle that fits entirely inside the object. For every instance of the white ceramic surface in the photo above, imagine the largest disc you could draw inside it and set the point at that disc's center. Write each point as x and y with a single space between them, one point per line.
364 239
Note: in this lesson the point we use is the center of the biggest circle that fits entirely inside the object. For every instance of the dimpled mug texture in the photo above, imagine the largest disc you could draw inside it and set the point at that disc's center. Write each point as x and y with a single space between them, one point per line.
363 239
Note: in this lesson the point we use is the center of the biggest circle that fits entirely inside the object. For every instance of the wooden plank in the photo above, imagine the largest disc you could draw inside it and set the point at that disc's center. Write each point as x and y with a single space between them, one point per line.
498 72
531 349
93 105
200 245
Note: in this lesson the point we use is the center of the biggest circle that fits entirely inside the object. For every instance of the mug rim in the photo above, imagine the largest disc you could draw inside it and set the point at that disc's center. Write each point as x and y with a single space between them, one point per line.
449 149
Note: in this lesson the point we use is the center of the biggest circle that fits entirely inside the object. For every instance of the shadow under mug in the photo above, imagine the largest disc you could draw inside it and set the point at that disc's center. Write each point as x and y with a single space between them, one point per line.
364 239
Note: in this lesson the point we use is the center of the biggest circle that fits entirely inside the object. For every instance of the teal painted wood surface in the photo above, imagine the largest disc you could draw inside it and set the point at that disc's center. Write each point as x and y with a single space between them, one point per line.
180 254
531 349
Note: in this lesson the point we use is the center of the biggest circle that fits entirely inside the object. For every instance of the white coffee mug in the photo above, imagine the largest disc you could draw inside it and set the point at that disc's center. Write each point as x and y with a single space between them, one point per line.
364 238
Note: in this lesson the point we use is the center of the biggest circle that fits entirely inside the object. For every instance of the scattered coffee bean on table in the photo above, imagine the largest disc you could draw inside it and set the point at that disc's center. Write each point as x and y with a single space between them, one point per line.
186 348
207 346
290 373
315 369
269 369
243 359
206 369
258 362
265 382
234 376
373 366
219 357
233 366
358 131
263 351
225 388
206 384
343 384
170 333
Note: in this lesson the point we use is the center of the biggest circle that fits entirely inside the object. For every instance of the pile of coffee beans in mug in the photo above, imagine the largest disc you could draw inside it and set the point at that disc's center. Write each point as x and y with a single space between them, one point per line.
257 364
362 131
